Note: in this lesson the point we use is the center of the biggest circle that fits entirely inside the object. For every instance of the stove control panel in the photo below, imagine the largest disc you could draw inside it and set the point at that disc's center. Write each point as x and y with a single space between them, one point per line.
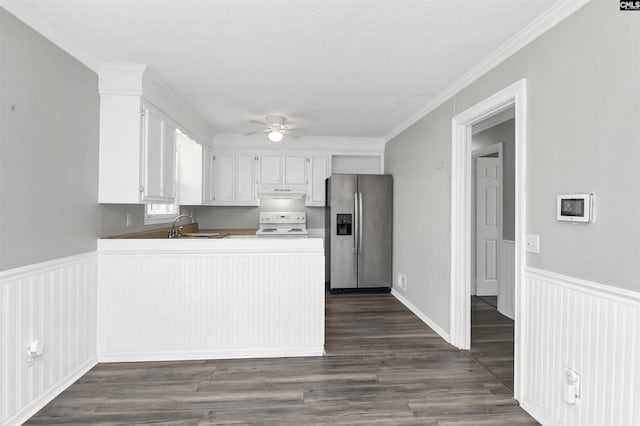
283 217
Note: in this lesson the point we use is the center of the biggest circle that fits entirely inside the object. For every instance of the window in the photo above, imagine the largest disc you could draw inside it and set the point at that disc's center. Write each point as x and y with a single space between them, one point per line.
160 213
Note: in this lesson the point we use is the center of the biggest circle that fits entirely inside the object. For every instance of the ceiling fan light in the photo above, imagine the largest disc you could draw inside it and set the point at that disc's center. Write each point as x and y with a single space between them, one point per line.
275 136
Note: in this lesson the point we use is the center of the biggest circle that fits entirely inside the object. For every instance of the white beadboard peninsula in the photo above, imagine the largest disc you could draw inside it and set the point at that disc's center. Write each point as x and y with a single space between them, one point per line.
177 299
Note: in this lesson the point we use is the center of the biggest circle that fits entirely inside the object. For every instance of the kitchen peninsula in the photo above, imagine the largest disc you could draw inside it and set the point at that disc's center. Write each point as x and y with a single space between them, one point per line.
204 298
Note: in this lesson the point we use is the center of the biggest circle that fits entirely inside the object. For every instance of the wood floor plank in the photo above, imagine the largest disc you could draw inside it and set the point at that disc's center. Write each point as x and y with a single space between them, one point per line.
383 366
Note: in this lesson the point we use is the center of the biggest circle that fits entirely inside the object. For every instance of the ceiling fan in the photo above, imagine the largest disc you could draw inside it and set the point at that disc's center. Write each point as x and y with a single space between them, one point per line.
276 128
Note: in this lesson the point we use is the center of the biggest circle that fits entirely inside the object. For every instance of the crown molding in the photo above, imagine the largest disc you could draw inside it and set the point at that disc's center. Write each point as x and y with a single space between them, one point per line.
27 15
535 29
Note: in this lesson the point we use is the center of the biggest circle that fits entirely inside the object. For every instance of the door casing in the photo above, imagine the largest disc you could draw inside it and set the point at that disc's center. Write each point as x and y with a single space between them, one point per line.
460 231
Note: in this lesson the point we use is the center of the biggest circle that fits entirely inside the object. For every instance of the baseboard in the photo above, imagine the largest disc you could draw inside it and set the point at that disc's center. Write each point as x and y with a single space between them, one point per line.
537 414
37 404
215 354
435 327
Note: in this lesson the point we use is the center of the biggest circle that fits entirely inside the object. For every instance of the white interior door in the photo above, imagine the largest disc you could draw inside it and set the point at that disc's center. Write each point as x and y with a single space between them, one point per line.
488 220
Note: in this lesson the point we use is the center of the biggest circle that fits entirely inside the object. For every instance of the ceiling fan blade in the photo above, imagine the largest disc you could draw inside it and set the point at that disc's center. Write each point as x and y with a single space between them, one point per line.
294 133
257 131
260 123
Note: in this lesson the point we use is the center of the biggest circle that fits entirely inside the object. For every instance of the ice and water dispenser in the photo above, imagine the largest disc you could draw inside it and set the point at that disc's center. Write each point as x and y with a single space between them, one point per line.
343 223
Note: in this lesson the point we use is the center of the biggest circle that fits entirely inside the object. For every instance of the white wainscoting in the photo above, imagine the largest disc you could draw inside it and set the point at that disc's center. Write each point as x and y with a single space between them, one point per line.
507 279
589 327
195 304
54 302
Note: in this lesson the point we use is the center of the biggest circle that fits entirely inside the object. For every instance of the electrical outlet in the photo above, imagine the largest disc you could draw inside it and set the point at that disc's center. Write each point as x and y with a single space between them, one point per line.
402 281
533 243
128 219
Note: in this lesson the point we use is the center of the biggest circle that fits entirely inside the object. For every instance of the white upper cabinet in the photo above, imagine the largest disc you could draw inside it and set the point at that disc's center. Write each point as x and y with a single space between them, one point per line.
137 152
138 122
190 166
294 170
270 169
159 157
277 170
318 170
245 178
229 179
223 173
207 175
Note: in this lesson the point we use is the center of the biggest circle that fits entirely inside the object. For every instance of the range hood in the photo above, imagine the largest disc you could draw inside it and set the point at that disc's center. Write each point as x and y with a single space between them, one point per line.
283 193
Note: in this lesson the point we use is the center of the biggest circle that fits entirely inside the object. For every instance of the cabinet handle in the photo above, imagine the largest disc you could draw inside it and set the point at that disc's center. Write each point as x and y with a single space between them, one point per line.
141 188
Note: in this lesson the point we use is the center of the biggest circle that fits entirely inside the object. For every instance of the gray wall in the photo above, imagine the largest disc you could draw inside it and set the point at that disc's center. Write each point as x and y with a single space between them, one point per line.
113 219
505 133
583 79
215 217
48 149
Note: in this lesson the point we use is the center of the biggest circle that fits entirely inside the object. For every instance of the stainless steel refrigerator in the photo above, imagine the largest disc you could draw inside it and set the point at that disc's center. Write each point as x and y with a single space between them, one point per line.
359 213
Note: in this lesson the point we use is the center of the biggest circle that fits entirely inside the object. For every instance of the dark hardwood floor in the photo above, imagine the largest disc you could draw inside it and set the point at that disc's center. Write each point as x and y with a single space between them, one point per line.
492 339
383 366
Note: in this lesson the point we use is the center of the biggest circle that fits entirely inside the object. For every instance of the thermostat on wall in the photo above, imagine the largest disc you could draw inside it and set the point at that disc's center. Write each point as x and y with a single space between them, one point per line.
575 207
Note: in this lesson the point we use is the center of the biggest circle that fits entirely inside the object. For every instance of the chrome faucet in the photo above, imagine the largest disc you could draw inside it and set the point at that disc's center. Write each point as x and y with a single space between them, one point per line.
177 233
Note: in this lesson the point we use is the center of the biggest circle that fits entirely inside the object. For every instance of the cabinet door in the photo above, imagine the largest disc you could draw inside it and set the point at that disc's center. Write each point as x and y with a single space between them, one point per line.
207 175
169 177
294 170
152 145
223 172
190 168
318 171
271 170
245 178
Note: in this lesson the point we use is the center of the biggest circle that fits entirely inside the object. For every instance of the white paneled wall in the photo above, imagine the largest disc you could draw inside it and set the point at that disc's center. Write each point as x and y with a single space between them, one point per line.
507 279
591 328
54 302
215 305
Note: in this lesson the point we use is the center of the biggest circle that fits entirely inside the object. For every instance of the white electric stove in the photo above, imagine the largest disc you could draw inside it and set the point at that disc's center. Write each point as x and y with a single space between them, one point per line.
282 224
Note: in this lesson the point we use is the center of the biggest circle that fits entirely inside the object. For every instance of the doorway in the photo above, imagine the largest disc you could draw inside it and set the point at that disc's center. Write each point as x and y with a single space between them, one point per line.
514 97
493 233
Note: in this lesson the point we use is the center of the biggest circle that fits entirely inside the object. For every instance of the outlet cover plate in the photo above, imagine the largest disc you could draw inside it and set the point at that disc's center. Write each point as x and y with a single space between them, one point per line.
533 243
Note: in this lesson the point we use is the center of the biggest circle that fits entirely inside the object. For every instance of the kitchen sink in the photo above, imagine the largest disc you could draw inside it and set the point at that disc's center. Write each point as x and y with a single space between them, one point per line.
202 235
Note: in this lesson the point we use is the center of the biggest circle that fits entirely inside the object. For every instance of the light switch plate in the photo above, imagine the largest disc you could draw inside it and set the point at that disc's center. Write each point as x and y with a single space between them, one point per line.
533 243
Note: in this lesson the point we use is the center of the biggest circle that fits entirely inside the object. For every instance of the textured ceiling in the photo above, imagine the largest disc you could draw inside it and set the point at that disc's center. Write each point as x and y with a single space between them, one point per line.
335 67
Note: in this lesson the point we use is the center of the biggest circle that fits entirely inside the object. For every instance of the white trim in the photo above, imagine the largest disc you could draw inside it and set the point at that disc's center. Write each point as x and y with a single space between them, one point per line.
496 120
460 319
49 265
486 150
535 29
37 404
603 291
537 414
435 327
213 354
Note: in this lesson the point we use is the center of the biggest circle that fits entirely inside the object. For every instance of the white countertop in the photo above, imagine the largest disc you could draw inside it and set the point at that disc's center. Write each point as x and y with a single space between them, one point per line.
212 245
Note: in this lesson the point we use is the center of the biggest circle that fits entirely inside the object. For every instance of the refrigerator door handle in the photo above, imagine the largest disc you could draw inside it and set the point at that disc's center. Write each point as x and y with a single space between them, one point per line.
359 222
355 223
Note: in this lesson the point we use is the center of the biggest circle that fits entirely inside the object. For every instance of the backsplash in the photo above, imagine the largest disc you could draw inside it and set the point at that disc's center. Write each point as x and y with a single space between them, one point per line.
247 217
113 219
